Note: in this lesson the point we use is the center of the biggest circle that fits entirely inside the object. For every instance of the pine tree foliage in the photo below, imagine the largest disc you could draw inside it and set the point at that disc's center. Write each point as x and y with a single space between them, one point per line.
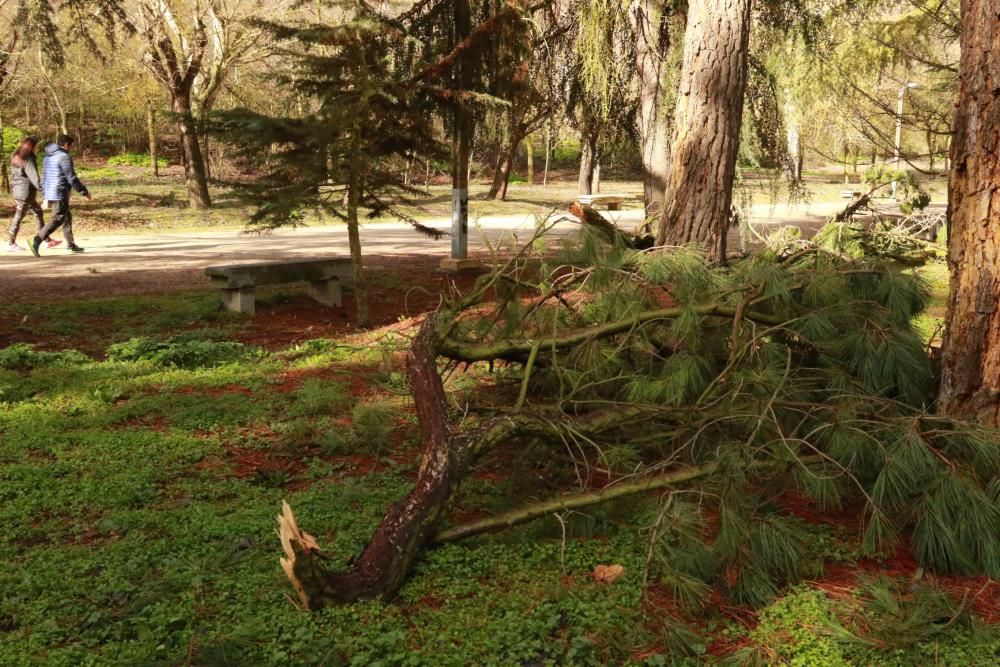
83 20
797 369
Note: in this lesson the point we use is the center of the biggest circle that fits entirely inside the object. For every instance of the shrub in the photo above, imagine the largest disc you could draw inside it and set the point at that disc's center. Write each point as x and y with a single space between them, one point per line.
11 138
182 351
136 160
23 357
317 397
567 150
372 424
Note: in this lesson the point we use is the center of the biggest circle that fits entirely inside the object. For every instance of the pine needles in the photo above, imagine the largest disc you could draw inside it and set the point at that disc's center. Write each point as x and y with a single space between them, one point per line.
786 370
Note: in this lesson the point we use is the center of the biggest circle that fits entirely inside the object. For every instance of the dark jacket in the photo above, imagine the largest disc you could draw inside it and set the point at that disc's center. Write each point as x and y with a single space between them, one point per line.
24 179
58 175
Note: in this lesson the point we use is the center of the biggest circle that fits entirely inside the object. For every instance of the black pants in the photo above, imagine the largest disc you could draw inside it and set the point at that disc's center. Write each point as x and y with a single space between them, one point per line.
22 206
61 217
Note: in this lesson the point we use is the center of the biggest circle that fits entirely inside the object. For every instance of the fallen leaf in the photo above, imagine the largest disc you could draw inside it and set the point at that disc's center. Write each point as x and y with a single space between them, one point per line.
608 574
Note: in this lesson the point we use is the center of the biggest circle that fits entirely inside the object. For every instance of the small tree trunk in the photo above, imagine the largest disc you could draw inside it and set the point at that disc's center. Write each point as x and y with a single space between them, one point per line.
588 161
931 150
194 162
648 23
548 152
970 372
4 176
698 203
354 235
529 151
154 152
207 152
501 176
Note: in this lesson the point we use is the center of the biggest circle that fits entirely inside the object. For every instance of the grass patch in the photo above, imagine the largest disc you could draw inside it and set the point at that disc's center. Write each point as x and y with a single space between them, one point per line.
139 495
118 318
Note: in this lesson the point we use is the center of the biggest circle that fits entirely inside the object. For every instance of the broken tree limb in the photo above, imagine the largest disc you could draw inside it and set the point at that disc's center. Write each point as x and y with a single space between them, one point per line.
573 501
382 566
609 231
519 350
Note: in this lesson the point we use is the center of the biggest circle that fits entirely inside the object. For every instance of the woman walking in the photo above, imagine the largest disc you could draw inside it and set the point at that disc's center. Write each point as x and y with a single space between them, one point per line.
24 186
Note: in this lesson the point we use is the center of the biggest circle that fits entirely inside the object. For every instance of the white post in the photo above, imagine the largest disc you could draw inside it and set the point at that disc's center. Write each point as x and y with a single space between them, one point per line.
460 223
899 131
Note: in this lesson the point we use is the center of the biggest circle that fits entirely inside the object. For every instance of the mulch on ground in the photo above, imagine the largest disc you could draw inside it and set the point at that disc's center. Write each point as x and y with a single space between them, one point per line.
401 286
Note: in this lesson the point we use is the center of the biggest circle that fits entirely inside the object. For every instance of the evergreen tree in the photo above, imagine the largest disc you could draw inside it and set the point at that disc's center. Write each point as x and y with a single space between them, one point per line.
377 85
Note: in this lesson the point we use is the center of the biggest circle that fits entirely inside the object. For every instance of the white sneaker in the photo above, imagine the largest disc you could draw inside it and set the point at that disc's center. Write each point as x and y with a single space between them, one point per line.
13 247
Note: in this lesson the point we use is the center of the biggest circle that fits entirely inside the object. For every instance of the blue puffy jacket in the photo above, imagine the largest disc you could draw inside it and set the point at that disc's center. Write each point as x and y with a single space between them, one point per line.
59 175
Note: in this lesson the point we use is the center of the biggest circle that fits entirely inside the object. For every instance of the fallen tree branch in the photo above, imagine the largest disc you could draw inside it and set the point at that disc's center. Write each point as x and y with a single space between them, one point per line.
518 350
608 230
573 501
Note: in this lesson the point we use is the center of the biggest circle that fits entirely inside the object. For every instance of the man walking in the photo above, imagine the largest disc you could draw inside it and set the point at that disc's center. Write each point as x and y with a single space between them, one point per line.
58 179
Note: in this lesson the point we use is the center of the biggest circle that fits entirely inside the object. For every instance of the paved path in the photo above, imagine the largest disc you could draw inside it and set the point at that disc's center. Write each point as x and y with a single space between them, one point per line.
194 250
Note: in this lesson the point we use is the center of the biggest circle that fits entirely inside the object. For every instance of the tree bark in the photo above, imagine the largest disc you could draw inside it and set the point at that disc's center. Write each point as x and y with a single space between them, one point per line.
707 119
649 19
970 377
194 162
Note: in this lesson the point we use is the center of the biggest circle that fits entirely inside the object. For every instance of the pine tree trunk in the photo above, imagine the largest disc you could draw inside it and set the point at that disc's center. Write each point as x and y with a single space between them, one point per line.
194 162
648 22
699 195
970 374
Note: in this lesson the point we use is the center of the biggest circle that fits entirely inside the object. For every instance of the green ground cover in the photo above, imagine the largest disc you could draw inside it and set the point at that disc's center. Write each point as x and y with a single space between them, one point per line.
139 495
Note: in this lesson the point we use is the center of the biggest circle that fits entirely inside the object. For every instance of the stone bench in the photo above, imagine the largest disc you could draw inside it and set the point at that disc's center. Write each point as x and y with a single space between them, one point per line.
612 201
237 282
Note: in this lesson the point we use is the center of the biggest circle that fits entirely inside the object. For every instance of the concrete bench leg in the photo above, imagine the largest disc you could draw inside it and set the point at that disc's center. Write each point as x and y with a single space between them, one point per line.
326 292
614 206
240 300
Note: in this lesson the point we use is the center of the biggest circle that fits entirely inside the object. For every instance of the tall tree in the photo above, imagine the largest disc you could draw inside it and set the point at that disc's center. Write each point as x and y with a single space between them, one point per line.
970 381
651 21
698 202
175 52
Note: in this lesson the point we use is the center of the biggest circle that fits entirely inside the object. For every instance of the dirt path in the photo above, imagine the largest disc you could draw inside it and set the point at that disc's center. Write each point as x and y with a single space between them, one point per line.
120 264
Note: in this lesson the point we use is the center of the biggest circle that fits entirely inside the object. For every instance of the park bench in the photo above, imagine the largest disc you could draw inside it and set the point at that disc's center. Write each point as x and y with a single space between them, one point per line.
850 194
612 201
237 282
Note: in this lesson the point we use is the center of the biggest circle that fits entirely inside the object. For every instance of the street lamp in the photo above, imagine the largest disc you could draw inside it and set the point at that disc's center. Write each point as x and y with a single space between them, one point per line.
899 128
